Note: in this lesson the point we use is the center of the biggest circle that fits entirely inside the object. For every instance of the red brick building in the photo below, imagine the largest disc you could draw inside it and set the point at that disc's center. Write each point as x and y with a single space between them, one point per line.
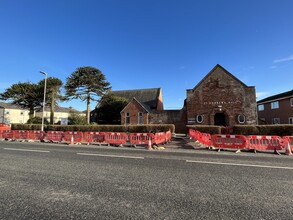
221 99
141 103
276 109
218 99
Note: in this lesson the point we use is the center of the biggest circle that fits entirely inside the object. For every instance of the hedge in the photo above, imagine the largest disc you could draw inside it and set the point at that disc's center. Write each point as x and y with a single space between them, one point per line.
206 128
102 128
278 130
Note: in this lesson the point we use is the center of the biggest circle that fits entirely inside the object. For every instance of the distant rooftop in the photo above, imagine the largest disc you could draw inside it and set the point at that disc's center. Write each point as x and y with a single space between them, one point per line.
278 96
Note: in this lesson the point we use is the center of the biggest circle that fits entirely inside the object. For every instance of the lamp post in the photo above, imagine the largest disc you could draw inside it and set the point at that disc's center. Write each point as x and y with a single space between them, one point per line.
44 101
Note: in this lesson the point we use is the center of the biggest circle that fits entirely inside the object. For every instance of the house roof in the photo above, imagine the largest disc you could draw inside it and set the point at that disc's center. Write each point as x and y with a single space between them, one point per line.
10 106
277 97
147 97
141 104
212 71
59 109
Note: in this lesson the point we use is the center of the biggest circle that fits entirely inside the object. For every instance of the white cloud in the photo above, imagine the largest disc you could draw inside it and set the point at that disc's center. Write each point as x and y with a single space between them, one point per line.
273 67
289 58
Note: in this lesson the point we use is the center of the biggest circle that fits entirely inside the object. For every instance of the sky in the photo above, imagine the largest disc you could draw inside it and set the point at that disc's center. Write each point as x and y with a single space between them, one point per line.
171 44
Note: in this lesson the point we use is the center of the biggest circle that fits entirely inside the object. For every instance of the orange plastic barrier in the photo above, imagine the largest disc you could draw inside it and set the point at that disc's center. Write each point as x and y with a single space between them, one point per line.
192 133
36 135
21 134
288 140
73 136
168 136
141 138
94 137
160 138
265 142
229 141
54 136
204 138
116 138
5 127
8 134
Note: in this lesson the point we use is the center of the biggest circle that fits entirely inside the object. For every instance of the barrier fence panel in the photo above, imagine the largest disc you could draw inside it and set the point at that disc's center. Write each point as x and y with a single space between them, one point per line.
94 137
5 127
8 134
288 140
229 141
265 142
116 138
141 138
73 136
21 134
204 138
54 136
36 135
160 138
168 136
192 133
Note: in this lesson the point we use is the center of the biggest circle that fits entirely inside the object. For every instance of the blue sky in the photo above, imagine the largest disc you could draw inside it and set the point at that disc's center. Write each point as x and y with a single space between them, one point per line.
170 44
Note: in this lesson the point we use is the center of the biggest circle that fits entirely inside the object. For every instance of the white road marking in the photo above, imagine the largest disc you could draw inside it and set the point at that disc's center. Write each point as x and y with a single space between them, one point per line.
29 150
108 155
239 164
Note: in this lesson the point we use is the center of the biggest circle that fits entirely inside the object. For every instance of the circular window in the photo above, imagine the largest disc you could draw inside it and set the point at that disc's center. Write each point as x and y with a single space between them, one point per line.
199 119
241 119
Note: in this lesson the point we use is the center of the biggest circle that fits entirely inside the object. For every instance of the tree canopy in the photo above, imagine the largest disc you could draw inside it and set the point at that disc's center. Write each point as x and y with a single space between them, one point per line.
109 108
27 95
87 84
53 94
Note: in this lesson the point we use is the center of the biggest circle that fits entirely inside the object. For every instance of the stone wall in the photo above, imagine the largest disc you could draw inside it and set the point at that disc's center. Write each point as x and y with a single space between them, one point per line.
176 117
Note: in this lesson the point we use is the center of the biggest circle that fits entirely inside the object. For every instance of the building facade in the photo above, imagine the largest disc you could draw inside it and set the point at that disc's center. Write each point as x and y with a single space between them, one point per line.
221 99
61 114
13 114
276 109
218 99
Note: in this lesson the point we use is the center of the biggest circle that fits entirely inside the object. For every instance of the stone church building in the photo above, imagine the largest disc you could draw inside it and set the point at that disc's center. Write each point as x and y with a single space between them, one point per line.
218 99
221 99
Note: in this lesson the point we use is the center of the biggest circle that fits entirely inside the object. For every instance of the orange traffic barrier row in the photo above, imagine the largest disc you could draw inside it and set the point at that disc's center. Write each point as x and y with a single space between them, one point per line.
71 137
251 142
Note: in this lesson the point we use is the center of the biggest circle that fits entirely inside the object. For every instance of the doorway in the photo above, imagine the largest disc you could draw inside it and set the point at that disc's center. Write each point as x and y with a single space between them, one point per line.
220 119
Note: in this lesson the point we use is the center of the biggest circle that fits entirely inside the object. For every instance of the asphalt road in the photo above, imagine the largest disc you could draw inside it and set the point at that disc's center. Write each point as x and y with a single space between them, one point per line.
46 181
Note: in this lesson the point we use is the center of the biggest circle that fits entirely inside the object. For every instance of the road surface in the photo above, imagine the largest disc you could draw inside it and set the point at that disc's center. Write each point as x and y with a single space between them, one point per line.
47 181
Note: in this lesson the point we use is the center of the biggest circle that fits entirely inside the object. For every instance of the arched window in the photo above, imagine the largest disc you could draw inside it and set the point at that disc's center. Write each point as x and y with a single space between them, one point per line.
241 119
199 119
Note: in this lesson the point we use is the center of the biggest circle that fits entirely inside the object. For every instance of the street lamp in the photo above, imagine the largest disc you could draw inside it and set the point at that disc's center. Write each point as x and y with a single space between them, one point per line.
42 129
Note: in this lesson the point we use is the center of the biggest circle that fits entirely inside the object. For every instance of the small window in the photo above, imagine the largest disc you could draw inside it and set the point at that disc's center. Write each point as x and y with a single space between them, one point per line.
274 105
276 121
127 118
140 118
241 119
7 113
199 119
291 101
260 107
291 120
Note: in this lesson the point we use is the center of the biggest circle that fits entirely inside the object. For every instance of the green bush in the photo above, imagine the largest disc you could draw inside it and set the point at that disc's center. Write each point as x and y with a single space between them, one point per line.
211 129
26 126
278 130
102 128
245 130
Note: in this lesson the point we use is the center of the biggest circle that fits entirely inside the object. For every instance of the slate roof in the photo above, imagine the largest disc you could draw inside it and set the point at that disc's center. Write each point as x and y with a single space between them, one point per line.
9 106
59 109
145 107
278 96
226 71
147 97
